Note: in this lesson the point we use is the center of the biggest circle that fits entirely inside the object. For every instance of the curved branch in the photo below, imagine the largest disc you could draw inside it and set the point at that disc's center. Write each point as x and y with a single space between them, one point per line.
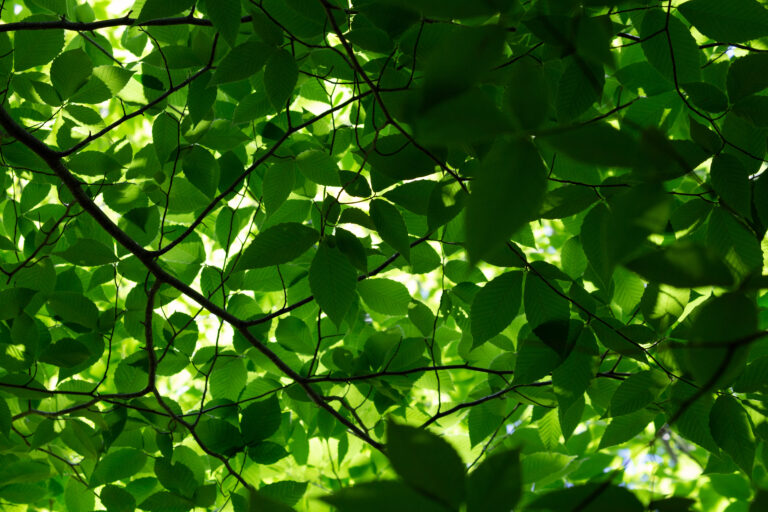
80 26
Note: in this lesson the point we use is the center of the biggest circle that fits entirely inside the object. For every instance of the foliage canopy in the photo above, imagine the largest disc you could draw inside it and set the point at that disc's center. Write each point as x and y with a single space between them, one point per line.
413 255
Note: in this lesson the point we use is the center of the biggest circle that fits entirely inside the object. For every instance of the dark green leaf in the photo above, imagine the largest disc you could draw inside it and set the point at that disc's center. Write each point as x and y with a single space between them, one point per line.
383 496
385 296
117 499
495 486
241 62
278 244
390 226
719 334
260 420
623 428
638 391
734 22
495 306
731 430
684 264
118 465
747 76
426 462
88 253
225 16
280 74
592 497
333 281
154 9
507 194
36 47
318 167
70 71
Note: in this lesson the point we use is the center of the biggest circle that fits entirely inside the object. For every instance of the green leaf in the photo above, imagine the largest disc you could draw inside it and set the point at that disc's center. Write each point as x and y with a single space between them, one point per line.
257 502
293 334
542 466
228 379
164 501
734 22
731 430
280 75
117 499
154 9
717 349
113 77
266 452
527 96
731 182
352 247
70 71
260 420
747 76
225 16
534 360
693 423
592 497
201 169
118 465
93 163
393 158
390 226
382 496
333 281
200 97
581 84
495 306
467 118
571 379
734 243
286 491
754 378
165 136
706 96
318 167
684 265
426 462
662 305
278 244
5 418
549 429
637 391
422 317
495 486
547 311
24 471
175 477
88 253
658 33
482 421
220 436
66 353
566 201
241 62
73 307
278 182
506 194
595 143
36 47
623 428
78 497
612 334
385 296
